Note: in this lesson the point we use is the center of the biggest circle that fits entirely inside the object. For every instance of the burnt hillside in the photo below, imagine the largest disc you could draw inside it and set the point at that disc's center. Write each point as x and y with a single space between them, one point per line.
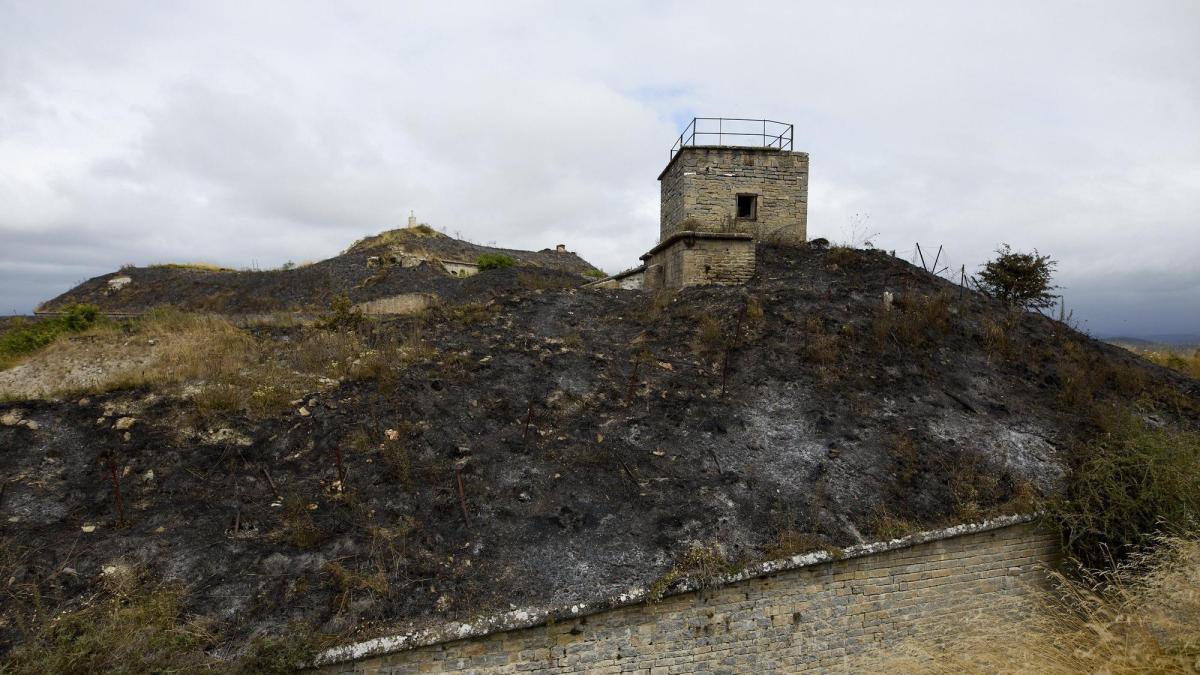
312 287
597 436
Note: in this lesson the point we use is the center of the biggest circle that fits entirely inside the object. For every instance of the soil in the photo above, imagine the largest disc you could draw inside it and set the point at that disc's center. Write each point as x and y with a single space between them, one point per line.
564 444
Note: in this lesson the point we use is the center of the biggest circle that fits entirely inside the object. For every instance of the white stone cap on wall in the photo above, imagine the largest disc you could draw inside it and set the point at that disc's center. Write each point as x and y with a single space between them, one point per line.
530 617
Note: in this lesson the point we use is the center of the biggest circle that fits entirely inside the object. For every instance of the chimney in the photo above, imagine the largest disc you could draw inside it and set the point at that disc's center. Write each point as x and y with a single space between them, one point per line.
412 219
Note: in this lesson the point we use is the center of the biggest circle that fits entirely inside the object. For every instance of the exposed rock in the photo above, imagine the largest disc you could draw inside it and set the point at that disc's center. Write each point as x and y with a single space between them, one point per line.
124 423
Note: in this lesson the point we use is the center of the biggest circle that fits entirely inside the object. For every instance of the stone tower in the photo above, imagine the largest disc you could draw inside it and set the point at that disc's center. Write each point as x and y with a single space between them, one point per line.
729 186
736 176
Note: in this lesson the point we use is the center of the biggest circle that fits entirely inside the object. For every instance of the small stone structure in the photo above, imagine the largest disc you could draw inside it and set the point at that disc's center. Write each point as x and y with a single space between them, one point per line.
812 612
689 258
719 201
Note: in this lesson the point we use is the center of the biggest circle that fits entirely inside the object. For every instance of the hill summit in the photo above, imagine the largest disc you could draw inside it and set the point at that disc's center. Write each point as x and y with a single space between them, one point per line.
393 263
526 442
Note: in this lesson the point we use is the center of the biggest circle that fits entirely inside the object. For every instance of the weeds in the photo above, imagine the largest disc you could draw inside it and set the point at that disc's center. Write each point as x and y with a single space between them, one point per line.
298 527
842 256
706 566
1135 479
884 526
710 343
135 630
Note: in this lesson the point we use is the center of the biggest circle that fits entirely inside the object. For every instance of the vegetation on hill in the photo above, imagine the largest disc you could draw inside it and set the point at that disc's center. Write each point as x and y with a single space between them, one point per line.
21 337
1139 616
1019 279
310 288
494 261
540 444
1183 359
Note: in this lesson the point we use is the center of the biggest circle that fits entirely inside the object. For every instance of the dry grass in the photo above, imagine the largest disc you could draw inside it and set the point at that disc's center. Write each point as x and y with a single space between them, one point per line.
223 367
790 542
704 565
1184 359
709 343
1142 617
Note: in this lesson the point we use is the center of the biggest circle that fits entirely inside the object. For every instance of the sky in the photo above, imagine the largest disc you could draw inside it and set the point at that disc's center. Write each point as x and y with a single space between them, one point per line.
251 134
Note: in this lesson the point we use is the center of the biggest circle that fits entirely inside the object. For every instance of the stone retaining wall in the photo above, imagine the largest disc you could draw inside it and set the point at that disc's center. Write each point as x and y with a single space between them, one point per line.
807 613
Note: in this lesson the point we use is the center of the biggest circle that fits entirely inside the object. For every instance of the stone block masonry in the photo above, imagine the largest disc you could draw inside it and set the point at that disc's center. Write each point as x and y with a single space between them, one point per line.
807 613
698 258
701 184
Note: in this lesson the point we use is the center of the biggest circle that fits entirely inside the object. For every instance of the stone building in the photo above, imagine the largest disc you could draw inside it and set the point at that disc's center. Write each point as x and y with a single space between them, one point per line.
729 185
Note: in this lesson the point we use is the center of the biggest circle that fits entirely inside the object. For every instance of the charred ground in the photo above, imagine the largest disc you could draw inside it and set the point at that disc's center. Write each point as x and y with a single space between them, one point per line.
312 287
596 436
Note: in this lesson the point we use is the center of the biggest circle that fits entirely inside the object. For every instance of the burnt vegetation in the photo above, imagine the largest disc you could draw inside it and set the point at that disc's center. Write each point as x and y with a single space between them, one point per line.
542 444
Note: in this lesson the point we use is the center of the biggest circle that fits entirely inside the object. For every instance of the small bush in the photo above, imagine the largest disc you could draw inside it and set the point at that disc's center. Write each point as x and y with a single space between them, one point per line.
595 274
1132 481
1019 279
343 314
494 261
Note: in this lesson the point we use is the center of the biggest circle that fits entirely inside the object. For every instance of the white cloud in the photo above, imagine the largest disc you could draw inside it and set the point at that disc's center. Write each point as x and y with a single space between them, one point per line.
260 133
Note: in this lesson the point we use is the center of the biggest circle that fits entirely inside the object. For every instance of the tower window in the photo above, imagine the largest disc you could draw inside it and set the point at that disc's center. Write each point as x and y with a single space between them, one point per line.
747 207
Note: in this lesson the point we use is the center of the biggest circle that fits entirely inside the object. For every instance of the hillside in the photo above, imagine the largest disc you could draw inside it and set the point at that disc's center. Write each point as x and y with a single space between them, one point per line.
312 287
537 445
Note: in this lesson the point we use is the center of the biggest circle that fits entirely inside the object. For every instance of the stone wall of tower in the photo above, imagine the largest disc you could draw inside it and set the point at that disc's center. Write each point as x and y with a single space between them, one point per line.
700 187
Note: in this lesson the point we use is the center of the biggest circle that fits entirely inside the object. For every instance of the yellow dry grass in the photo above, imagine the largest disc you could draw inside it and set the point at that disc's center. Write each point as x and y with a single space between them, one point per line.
1185 360
220 365
1142 617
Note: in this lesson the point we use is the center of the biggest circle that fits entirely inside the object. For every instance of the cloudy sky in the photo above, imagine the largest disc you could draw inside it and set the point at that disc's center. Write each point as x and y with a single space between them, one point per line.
250 134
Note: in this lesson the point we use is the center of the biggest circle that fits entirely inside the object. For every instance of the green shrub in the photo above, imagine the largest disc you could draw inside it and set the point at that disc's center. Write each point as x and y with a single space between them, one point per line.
1019 279
343 314
27 337
595 274
1133 481
494 261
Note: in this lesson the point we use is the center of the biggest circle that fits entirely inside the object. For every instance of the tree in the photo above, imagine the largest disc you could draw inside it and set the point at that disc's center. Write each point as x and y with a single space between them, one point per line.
1019 279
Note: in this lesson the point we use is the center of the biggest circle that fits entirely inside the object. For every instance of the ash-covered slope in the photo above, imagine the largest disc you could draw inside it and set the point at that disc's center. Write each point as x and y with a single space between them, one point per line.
597 435
312 287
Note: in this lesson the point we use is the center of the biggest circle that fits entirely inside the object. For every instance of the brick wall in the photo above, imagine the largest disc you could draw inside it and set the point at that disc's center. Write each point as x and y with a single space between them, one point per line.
843 614
700 187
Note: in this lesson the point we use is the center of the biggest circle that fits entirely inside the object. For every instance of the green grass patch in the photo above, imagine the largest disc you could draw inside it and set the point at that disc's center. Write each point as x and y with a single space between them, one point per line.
494 261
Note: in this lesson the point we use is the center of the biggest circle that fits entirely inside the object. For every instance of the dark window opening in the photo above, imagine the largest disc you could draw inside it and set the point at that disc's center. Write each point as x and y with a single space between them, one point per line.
747 206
